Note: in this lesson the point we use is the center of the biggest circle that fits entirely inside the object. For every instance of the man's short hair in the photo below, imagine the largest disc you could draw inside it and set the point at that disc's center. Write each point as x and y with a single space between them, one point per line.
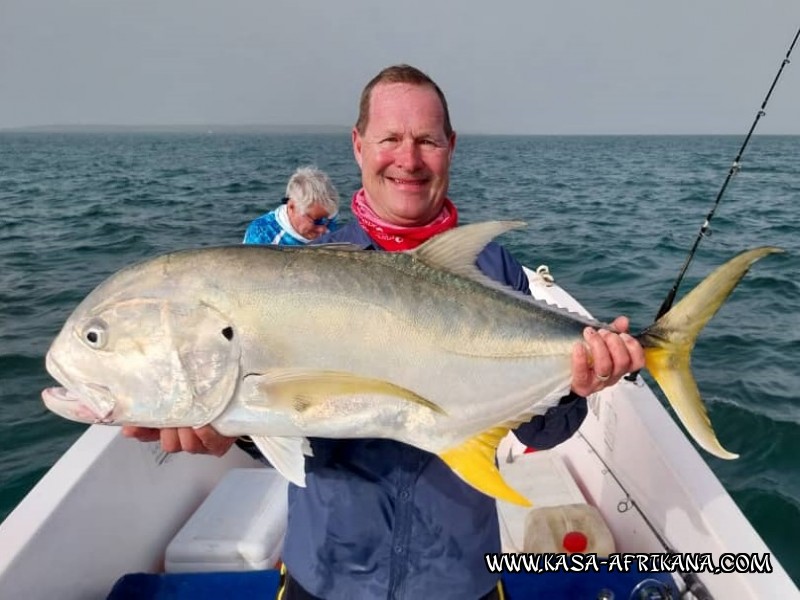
399 74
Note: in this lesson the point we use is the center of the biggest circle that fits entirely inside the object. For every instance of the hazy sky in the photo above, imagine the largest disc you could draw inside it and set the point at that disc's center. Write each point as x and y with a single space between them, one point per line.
523 66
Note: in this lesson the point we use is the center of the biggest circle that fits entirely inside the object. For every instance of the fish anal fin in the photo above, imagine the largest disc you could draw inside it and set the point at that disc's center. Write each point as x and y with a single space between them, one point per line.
286 455
474 462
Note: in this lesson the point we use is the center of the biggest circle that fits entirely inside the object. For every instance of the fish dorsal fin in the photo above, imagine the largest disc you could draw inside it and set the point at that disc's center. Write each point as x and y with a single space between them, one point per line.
456 249
343 246
474 462
286 455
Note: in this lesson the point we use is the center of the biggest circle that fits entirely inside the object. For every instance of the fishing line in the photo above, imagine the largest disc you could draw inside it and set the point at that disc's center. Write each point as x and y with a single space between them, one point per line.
704 230
734 169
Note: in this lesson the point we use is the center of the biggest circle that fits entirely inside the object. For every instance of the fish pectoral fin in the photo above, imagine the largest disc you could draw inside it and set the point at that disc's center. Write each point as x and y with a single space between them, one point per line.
304 388
286 455
474 462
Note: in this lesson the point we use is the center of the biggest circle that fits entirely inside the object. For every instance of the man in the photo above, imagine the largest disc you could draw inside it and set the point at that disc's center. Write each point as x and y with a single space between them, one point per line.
378 518
308 211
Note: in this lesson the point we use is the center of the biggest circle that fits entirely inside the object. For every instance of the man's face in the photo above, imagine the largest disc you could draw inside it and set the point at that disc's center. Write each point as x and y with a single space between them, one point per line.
405 154
303 222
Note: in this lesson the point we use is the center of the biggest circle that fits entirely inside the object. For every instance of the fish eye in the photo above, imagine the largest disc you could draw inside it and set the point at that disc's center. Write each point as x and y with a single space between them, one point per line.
95 335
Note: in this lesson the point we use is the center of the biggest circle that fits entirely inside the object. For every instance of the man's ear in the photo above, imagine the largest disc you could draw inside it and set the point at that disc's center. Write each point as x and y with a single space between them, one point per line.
452 143
357 143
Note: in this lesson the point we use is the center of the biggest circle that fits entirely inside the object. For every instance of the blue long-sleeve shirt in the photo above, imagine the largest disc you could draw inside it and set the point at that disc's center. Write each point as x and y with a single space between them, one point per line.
273 227
382 519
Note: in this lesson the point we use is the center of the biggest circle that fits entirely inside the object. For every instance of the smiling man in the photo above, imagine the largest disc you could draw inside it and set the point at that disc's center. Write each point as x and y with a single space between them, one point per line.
403 145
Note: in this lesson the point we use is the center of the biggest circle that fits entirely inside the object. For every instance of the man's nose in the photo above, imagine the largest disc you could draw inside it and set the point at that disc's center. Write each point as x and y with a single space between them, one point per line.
408 156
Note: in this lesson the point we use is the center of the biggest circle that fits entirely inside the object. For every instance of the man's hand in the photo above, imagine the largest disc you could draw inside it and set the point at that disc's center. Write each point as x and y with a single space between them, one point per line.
604 358
204 440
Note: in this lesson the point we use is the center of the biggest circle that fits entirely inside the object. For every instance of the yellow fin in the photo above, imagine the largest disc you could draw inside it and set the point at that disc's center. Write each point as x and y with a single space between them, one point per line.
669 341
474 462
304 388
670 368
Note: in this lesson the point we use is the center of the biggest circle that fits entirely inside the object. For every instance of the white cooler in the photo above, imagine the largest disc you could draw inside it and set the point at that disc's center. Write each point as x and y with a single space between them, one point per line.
240 526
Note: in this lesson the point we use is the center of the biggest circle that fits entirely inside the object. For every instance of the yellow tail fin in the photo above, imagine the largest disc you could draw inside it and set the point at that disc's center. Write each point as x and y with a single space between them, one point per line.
669 341
474 461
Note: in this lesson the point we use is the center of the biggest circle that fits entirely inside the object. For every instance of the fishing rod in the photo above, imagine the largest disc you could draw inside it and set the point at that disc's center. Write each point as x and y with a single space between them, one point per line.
690 579
704 230
735 166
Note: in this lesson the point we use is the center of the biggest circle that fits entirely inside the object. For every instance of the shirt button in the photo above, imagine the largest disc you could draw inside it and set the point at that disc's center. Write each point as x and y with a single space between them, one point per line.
398 549
405 495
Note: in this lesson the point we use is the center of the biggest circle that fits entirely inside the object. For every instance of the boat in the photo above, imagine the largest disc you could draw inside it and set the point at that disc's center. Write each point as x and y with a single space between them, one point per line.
113 506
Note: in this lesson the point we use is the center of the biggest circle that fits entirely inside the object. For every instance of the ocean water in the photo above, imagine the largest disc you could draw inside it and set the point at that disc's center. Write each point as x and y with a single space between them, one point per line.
613 217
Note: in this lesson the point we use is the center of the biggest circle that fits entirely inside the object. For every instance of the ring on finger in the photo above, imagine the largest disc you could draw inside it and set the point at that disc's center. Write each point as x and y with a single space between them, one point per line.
601 377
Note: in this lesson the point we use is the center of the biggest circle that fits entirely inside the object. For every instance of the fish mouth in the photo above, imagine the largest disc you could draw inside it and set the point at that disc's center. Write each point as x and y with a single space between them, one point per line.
73 405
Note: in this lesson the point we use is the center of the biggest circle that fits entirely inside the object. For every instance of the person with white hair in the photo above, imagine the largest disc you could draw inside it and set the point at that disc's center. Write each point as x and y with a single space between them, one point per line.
308 211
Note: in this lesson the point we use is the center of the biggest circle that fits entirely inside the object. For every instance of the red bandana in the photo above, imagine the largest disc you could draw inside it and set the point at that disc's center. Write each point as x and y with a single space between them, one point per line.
395 238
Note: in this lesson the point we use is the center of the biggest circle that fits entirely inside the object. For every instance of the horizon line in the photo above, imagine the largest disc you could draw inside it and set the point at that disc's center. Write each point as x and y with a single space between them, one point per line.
212 128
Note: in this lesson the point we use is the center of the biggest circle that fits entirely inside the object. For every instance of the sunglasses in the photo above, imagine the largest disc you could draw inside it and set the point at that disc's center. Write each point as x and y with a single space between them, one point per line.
325 221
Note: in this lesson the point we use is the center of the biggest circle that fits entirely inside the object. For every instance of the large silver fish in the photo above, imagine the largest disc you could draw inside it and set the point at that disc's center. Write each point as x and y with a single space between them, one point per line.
284 343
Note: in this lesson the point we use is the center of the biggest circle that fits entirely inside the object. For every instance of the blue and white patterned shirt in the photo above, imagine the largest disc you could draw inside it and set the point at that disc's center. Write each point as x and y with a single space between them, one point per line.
273 228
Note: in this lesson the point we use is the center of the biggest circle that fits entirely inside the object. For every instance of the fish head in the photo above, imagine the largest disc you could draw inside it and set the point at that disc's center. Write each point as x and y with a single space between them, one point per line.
152 360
